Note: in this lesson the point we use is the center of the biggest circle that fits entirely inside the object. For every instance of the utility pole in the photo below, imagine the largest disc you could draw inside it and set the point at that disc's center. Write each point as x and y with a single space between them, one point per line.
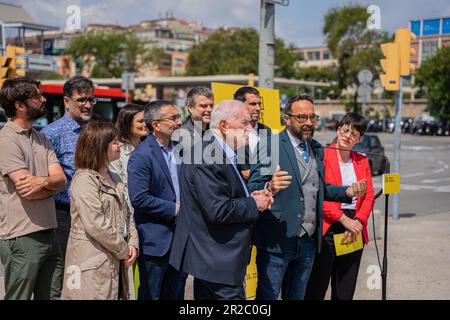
266 60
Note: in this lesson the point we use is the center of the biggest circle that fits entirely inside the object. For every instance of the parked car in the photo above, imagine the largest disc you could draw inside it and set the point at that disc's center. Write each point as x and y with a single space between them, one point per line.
375 125
444 128
371 143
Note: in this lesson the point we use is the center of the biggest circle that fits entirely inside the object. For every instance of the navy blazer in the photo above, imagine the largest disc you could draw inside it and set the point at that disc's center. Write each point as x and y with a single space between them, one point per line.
276 230
213 237
152 196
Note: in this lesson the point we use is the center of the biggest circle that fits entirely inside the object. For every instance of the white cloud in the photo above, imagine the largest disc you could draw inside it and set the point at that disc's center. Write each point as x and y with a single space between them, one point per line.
300 22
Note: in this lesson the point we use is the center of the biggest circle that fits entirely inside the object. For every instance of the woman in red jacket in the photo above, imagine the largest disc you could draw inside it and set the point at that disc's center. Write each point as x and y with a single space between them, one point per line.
343 168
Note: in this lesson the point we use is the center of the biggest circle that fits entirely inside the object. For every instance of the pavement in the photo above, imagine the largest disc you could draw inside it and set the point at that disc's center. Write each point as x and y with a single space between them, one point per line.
418 261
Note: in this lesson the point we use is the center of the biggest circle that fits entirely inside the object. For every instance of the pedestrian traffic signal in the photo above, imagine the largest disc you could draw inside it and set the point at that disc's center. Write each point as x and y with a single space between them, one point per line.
391 66
403 37
16 67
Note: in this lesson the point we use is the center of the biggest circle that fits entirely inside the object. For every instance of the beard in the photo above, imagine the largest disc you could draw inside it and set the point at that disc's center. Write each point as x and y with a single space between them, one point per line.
302 134
34 113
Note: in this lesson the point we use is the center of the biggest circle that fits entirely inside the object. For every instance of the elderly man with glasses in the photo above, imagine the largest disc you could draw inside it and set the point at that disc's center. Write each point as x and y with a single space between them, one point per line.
63 134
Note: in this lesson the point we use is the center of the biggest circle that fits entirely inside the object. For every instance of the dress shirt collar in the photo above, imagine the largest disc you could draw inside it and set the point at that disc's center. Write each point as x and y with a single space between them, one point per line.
228 151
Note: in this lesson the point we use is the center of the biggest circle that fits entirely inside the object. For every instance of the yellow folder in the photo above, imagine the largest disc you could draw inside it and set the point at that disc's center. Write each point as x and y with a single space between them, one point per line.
342 249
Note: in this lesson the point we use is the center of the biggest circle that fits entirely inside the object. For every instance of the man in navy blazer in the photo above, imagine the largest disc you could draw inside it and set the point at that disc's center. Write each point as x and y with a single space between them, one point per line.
154 194
213 237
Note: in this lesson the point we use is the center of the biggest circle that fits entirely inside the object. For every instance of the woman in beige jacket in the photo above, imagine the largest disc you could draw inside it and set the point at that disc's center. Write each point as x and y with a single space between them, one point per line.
103 239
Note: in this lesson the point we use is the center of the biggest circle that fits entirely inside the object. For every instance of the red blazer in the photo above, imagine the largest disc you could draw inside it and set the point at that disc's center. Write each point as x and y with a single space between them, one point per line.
332 210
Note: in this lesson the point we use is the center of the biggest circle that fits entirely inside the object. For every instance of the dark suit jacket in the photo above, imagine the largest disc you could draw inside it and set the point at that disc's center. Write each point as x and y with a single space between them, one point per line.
276 231
212 240
152 196
263 132
189 125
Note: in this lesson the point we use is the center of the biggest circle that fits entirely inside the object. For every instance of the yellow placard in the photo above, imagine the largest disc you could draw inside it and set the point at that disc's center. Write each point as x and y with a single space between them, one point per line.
342 249
391 183
251 277
270 102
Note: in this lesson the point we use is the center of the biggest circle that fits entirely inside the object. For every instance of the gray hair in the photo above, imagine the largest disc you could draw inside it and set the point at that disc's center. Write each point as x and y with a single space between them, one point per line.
225 110
197 92
153 111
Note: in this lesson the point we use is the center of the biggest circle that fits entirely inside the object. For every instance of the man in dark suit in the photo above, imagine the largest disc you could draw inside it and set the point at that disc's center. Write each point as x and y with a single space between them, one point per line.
212 240
155 197
288 235
252 100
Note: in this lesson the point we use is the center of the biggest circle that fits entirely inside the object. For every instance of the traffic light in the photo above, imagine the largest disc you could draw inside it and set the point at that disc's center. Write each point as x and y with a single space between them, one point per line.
403 37
251 79
148 89
14 63
3 69
391 66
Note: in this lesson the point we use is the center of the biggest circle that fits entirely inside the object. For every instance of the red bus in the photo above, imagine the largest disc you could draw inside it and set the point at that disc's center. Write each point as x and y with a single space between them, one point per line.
110 100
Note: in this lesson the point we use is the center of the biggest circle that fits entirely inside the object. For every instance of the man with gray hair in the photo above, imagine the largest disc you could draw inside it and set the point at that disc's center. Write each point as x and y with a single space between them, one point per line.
213 237
200 101
155 197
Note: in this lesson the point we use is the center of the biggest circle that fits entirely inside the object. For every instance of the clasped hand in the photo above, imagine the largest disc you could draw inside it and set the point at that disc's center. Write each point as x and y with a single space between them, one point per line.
263 198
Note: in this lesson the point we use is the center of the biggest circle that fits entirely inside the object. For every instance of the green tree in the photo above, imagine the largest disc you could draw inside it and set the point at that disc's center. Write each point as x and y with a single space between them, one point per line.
352 44
114 52
328 75
236 52
433 77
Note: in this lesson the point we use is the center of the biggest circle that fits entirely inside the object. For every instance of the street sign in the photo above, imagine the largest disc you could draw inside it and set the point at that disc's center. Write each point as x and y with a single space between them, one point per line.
42 63
282 2
364 92
128 81
365 76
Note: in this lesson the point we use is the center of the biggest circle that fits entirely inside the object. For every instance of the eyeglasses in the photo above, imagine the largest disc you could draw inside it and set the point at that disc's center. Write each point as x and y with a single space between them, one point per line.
303 117
345 131
37 96
84 100
172 118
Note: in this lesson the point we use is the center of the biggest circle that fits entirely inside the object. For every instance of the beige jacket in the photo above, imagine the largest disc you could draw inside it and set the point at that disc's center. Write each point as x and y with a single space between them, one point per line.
97 244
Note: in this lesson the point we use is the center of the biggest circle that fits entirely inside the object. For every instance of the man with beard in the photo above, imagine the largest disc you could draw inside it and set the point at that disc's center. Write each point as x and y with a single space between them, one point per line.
29 175
287 237
63 134
155 196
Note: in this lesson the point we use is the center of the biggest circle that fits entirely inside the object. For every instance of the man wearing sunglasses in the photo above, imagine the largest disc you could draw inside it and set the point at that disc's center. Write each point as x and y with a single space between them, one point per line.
63 134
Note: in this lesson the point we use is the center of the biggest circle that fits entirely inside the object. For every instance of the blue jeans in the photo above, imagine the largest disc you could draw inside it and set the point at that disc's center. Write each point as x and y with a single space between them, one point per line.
159 280
286 272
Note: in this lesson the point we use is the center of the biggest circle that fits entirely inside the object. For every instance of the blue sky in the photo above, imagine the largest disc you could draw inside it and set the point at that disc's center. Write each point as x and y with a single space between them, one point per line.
299 23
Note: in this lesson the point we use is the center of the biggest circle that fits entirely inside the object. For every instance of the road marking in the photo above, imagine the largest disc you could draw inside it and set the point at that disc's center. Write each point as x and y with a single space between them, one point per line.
410 175
417 187
434 180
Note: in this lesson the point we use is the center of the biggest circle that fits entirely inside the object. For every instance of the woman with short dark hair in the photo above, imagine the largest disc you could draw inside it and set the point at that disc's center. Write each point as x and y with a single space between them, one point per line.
103 239
343 167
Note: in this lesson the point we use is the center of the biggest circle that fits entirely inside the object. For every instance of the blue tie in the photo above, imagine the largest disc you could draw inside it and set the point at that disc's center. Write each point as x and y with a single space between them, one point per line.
305 151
